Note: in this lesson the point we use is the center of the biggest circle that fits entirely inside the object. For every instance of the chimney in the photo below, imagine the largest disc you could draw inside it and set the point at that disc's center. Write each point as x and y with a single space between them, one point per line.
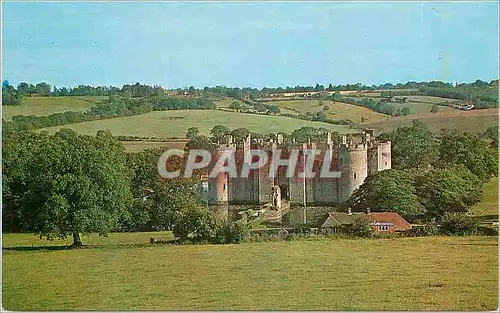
368 212
349 212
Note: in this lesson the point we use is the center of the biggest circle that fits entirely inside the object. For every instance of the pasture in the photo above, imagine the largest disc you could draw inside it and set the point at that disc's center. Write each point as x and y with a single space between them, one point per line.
487 209
429 99
49 105
175 123
423 273
227 102
419 107
336 111
474 121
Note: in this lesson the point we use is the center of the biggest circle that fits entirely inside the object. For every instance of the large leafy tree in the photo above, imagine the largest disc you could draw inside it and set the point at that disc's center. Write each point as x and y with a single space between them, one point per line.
192 132
10 96
413 147
389 190
200 142
492 134
158 202
66 184
239 134
471 151
447 190
235 105
219 132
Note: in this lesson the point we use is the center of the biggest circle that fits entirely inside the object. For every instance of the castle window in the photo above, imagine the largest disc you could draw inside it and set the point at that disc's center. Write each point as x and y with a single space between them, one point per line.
224 186
354 175
385 163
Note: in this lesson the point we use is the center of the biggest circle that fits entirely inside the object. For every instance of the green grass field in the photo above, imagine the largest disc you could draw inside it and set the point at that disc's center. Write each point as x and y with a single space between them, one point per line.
227 102
50 105
427 273
418 107
176 123
337 110
488 207
429 99
470 121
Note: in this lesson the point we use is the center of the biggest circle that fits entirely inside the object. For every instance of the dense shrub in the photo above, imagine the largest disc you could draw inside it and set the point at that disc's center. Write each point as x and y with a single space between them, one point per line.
361 228
424 230
230 232
487 230
457 224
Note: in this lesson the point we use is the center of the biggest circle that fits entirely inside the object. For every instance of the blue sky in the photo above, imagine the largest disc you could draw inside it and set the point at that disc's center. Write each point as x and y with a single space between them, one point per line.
247 43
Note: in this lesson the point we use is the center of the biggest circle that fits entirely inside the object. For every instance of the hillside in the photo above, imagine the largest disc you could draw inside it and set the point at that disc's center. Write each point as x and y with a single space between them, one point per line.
468 121
489 204
49 105
336 110
175 123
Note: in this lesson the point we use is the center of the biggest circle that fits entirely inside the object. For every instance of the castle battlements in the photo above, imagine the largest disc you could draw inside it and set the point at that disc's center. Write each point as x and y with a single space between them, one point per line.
354 156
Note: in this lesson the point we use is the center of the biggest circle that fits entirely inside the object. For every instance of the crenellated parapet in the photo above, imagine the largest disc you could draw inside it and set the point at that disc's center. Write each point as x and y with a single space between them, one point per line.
353 156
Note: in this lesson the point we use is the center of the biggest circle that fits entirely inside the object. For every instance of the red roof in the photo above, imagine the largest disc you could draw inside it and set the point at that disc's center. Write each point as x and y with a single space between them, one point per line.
390 217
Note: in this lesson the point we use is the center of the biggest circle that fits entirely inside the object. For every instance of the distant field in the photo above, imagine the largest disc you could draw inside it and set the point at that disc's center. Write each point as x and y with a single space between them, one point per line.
418 107
429 99
469 121
227 102
489 204
337 111
49 105
423 273
175 123
137 146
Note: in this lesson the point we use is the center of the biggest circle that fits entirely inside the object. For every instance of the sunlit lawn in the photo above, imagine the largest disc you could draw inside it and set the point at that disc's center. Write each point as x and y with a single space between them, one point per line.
429 273
50 105
175 123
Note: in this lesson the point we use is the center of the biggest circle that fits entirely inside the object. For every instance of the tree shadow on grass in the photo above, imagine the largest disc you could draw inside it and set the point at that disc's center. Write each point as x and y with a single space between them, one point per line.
38 248
71 247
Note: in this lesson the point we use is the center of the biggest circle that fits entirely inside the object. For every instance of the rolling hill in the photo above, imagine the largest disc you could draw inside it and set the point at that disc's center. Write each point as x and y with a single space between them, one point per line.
175 123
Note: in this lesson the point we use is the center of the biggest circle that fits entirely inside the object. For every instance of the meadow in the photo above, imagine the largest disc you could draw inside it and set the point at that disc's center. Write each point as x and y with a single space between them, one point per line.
474 121
336 110
422 273
486 211
49 105
430 99
176 123
419 107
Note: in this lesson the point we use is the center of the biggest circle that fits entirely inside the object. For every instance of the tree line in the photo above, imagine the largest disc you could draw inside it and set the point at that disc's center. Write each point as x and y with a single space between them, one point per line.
13 96
437 88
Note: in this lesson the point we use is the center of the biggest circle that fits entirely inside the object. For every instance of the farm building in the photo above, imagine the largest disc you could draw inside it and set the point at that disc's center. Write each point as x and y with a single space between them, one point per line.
381 222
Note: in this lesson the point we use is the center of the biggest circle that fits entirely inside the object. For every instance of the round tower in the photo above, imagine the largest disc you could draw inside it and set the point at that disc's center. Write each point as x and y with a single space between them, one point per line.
354 168
218 188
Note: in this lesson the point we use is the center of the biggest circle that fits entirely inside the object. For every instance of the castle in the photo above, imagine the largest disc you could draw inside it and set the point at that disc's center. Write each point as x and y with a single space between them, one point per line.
355 156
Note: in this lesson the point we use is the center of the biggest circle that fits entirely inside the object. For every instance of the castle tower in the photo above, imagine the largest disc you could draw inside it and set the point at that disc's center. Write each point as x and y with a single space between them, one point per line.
218 187
379 157
353 165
